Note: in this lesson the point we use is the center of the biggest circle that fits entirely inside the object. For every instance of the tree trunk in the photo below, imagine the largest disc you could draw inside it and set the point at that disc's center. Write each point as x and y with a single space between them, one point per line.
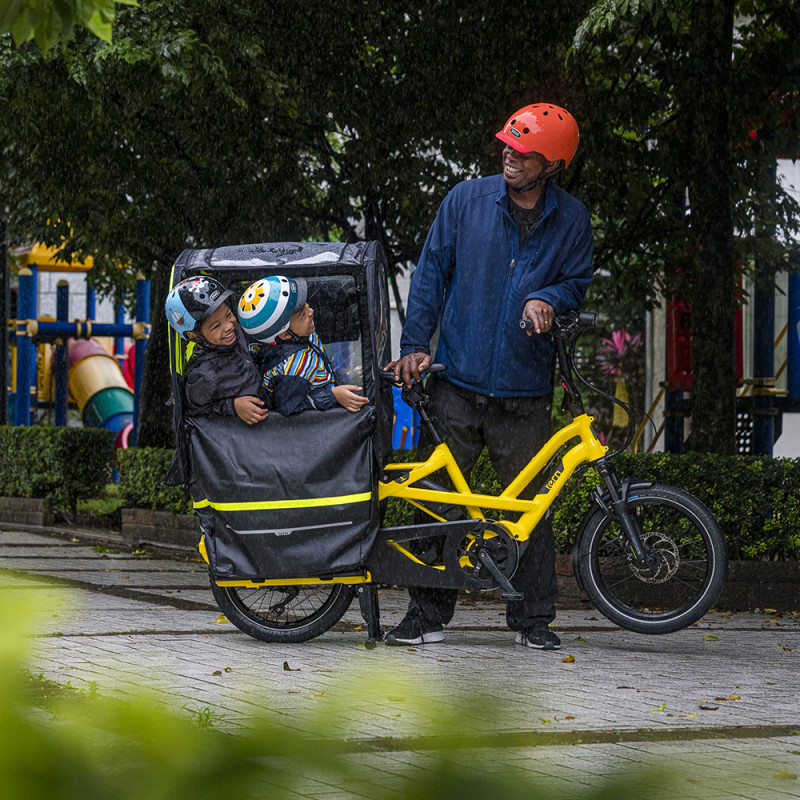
155 418
713 278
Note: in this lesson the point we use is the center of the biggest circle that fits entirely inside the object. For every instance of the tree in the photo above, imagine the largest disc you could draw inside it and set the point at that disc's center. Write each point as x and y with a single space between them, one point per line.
693 195
194 129
46 20
203 125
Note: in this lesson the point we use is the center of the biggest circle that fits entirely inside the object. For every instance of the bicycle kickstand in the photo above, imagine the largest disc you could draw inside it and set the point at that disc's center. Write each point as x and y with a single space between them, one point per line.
370 610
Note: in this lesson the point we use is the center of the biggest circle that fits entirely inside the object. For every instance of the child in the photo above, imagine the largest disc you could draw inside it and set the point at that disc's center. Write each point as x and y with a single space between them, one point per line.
221 376
297 372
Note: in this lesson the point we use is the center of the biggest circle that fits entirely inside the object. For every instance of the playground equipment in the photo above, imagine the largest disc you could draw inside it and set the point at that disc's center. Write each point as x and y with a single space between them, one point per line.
81 366
760 404
98 384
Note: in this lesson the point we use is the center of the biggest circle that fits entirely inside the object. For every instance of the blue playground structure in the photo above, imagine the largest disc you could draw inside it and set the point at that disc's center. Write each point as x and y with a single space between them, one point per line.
80 365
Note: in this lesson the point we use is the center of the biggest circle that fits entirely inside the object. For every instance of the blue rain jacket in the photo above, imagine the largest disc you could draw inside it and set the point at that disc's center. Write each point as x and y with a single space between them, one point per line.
473 280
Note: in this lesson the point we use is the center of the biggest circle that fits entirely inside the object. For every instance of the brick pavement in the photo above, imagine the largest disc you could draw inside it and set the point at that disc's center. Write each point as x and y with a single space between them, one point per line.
119 622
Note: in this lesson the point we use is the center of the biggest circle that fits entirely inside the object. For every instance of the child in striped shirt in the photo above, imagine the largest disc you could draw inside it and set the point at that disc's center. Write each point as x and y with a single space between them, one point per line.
297 373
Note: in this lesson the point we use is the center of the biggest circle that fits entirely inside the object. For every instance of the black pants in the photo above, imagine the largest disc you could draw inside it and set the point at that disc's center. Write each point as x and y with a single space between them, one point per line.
512 429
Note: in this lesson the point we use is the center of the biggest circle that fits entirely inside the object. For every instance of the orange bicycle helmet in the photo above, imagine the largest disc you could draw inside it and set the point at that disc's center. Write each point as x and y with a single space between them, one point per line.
542 128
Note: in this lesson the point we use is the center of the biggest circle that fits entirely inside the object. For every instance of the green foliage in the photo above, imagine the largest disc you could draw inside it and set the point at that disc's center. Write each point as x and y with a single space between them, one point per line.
61 465
754 498
142 471
46 21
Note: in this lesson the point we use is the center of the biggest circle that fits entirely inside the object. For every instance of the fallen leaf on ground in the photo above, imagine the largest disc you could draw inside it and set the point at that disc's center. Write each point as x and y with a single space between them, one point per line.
662 707
568 659
732 697
785 776
709 708
287 668
711 636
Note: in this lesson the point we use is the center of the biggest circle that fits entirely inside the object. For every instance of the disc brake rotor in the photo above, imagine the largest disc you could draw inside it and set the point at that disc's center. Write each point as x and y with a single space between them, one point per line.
668 559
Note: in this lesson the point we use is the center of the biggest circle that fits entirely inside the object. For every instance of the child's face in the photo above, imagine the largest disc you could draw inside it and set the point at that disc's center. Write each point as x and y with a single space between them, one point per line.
302 322
220 327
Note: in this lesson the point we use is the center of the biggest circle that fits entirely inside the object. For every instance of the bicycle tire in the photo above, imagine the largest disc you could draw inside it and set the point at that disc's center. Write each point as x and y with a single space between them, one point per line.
685 583
286 614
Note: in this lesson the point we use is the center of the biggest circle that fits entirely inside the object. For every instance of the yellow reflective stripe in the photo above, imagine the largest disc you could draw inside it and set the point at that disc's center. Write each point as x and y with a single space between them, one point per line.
263 505
347 579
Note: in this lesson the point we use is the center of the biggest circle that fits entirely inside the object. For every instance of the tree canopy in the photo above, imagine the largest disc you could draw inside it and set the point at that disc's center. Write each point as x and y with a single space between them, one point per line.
205 124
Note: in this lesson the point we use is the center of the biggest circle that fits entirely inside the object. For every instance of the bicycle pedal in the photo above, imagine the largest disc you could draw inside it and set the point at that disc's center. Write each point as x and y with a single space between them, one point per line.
512 596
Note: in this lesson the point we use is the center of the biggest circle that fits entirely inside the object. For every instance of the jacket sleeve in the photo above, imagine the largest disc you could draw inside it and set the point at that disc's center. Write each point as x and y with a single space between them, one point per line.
202 398
290 394
323 398
430 280
566 293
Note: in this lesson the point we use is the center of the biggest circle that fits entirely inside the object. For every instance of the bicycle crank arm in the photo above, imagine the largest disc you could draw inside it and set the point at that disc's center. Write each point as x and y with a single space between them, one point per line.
509 592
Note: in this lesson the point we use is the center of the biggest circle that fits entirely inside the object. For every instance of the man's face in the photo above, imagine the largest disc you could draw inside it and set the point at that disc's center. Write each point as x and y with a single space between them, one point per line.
520 169
220 327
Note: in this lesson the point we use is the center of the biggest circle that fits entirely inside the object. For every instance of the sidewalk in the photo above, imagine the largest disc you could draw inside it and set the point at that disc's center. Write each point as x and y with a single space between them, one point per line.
721 701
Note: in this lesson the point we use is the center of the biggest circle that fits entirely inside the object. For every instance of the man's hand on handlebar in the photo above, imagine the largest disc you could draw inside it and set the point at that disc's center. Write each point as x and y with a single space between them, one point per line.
540 314
408 368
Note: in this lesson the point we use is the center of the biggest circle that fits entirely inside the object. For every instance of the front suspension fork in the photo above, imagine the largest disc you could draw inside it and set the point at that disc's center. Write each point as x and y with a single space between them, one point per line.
618 509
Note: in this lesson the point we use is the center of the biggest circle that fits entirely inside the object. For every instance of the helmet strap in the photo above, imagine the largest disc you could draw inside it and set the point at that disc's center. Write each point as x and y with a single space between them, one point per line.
540 180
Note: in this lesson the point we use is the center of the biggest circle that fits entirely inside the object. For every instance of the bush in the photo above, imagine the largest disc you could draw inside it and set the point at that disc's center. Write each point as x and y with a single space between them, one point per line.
142 471
61 465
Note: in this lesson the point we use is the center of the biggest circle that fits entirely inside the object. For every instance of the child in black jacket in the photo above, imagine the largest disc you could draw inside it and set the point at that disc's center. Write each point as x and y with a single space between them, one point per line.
221 376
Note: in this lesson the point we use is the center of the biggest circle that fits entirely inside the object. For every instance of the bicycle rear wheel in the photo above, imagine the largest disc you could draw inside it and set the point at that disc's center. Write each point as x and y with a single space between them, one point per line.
284 613
686 576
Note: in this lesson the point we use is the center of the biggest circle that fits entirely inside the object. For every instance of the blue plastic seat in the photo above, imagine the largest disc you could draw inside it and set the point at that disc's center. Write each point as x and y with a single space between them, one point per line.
405 433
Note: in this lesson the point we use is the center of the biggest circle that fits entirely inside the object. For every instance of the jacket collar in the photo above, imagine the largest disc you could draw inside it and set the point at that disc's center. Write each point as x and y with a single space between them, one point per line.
550 198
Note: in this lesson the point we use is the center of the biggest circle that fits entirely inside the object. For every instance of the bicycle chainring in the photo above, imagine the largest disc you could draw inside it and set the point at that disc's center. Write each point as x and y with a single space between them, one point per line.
498 543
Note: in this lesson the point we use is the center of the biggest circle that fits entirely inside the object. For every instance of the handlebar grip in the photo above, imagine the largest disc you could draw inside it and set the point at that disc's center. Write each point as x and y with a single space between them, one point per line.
526 324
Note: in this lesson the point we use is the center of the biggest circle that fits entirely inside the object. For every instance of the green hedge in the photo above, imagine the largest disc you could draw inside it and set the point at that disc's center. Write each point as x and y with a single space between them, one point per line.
756 499
141 481
62 465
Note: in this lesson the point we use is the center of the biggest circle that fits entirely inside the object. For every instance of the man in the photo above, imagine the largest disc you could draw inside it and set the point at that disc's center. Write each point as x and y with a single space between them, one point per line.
502 248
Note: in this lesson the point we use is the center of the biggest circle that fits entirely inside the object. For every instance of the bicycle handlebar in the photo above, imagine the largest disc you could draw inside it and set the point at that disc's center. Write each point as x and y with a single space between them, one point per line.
573 323
388 375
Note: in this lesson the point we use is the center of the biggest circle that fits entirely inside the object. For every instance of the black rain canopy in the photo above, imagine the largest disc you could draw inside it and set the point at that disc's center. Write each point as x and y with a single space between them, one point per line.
293 496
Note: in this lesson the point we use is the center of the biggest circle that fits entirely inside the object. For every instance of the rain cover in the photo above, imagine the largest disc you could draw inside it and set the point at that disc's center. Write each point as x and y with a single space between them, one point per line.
290 497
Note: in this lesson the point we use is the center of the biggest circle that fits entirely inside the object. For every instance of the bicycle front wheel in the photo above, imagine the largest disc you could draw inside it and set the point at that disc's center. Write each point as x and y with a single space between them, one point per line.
284 613
686 573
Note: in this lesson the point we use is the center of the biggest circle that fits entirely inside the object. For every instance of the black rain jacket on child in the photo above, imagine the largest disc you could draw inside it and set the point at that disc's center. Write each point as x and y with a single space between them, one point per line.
298 375
217 375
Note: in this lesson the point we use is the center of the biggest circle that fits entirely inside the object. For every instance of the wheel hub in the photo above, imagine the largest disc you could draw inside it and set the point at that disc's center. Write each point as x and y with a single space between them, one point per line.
662 562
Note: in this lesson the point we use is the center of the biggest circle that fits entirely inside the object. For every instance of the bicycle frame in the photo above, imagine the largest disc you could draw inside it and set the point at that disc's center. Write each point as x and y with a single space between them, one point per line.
589 448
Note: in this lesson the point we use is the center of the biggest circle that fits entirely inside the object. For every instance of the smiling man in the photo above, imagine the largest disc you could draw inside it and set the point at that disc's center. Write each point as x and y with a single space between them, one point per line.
502 248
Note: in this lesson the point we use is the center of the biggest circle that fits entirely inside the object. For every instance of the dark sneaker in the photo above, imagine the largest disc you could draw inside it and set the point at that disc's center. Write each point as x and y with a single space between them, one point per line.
540 637
414 629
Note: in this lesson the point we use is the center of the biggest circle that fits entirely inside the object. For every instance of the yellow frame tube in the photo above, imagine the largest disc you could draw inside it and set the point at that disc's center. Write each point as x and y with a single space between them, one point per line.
532 511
